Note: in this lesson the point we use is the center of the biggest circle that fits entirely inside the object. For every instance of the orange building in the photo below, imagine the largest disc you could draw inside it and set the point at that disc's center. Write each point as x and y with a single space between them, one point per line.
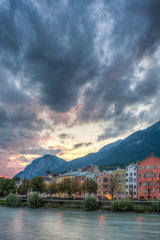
102 179
148 178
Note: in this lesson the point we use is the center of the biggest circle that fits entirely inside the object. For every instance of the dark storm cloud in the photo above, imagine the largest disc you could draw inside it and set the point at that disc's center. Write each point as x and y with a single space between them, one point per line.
82 54
78 145
65 136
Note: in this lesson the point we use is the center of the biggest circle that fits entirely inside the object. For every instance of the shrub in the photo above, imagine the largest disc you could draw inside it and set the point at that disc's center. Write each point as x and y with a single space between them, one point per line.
2 202
139 208
90 203
34 201
122 205
125 205
156 206
12 200
114 206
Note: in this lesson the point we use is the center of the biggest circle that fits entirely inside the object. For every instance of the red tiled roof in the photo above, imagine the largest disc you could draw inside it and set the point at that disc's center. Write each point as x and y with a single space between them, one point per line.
86 168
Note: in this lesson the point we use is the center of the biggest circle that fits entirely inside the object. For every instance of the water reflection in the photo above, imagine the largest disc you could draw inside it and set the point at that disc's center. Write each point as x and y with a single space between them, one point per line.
45 224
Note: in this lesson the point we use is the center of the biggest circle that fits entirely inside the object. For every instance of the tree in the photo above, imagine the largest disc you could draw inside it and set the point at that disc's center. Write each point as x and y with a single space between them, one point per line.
7 186
51 189
69 186
90 186
111 186
37 184
24 188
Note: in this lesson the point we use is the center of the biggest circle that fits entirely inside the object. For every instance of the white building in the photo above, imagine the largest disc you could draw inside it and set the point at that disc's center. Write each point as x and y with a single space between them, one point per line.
131 180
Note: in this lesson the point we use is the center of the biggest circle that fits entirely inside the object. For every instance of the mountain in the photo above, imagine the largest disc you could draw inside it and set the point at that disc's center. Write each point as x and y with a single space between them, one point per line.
39 166
135 147
111 145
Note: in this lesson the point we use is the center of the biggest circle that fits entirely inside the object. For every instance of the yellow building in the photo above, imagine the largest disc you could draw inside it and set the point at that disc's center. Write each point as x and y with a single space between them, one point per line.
120 178
69 174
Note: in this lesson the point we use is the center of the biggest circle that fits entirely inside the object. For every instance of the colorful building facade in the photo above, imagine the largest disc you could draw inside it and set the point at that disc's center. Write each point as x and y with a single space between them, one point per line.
120 178
103 180
131 181
148 178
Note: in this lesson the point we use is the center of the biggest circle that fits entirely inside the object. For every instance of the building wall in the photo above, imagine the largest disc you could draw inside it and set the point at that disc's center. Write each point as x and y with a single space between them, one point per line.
148 174
102 179
120 176
60 178
131 181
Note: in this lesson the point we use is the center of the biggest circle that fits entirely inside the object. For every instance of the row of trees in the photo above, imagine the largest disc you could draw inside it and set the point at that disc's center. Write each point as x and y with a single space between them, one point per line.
67 186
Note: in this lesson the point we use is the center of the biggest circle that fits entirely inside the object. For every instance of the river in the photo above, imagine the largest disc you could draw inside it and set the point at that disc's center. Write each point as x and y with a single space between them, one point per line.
53 224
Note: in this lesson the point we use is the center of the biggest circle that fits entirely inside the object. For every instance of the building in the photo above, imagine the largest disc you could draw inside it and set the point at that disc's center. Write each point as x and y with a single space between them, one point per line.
120 177
103 179
131 181
148 178
80 178
70 174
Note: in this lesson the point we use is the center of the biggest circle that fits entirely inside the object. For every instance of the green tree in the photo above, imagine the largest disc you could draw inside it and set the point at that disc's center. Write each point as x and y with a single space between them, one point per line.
38 185
90 186
7 186
24 188
111 186
51 189
69 186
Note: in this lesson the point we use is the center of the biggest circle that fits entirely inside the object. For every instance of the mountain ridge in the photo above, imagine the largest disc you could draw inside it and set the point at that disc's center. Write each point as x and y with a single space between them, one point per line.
135 147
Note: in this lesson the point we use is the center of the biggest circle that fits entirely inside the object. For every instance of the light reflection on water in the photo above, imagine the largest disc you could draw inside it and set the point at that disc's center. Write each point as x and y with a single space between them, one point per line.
46 224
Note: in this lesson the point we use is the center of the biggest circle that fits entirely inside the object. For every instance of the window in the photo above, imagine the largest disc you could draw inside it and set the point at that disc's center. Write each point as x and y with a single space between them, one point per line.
126 180
122 193
134 186
154 190
149 166
139 190
122 175
126 174
130 179
139 183
99 180
144 183
134 179
99 186
134 174
149 174
155 175
130 174
155 166
139 176
155 183
144 175
99 192
126 186
135 169
122 181
144 167
122 186
139 167
101 175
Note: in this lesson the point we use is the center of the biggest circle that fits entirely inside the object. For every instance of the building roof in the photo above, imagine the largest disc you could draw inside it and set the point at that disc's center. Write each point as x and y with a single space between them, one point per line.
86 168
69 174
81 174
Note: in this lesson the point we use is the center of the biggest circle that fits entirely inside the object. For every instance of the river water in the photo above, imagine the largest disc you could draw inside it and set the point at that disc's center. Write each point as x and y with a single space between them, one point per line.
53 224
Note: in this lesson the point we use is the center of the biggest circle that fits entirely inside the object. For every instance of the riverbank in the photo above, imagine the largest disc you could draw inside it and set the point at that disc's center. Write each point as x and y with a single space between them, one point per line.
109 206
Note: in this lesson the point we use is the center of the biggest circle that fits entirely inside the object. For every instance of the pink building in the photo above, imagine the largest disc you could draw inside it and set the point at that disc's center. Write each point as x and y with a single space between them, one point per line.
102 179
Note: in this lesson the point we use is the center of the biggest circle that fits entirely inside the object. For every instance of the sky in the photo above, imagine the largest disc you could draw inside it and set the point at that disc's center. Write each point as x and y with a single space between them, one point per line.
75 76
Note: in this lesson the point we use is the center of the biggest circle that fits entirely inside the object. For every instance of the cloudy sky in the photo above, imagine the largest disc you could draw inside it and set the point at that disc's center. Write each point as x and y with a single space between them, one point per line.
75 76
